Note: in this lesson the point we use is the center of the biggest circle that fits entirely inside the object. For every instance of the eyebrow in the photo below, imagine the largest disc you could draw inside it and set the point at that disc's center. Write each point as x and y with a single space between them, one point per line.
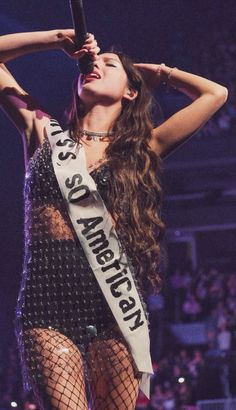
111 58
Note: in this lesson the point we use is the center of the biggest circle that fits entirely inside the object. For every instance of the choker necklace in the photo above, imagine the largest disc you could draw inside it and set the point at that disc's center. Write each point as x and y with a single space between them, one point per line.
92 135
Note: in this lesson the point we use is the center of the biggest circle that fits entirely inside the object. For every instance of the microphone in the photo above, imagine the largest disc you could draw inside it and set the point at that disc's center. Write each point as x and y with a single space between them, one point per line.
85 63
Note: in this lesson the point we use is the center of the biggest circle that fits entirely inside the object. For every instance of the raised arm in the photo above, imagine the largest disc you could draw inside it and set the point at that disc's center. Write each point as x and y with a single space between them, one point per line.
207 97
27 114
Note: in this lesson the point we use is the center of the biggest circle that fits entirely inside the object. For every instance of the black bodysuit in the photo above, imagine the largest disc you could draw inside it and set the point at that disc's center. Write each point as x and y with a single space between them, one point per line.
58 289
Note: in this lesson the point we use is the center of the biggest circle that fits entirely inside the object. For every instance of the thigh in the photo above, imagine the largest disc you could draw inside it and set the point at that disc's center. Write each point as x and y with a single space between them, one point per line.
114 377
56 370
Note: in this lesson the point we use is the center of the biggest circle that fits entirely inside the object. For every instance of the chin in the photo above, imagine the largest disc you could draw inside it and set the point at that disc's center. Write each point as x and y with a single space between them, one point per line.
87 94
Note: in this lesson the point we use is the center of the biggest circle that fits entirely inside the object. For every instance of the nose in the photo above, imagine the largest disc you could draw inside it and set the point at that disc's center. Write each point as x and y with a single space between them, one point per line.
98 66
98 63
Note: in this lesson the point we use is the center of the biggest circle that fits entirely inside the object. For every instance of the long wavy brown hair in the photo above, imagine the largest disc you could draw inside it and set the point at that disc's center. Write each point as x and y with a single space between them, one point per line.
136 194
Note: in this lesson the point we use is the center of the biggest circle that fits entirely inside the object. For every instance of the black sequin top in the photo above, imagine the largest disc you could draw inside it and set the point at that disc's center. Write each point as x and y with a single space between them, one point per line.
58 285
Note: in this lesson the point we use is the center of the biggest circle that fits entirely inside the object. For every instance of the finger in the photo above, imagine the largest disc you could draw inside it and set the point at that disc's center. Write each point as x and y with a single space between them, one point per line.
79 53
94 51
90 38
94 56
69 45
90 46
139 65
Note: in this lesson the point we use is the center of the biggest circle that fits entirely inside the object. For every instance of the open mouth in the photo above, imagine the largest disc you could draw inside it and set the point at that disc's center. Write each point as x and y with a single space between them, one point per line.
90 77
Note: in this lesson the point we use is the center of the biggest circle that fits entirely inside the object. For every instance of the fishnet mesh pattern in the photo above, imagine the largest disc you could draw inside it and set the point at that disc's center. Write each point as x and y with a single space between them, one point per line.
59 300
48 219
114 379
104 377
59 382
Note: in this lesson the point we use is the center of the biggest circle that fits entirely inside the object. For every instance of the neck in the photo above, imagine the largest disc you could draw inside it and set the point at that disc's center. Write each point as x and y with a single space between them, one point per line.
100 118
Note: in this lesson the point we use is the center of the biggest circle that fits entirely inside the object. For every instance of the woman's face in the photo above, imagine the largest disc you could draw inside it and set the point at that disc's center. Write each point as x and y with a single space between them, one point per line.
108 82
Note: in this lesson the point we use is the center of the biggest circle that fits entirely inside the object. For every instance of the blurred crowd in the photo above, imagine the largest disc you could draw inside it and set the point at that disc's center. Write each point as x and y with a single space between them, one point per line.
217 62
209 295
184 375
183 378
175 382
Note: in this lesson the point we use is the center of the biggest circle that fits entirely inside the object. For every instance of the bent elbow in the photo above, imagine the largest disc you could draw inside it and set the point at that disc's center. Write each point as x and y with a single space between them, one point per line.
221 95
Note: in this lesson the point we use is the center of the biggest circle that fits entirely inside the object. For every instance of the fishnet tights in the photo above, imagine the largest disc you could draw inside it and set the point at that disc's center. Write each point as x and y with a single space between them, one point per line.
113 383
59 364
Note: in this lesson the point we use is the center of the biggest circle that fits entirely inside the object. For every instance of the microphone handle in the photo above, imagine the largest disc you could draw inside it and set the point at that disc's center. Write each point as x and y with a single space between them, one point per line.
85 63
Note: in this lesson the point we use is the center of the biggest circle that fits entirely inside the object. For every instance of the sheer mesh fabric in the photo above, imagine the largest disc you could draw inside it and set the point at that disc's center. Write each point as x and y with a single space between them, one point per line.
50 219
72 353
114 379
108 379
59 382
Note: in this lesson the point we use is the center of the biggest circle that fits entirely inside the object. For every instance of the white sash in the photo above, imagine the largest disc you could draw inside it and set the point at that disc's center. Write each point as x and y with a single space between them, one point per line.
93 226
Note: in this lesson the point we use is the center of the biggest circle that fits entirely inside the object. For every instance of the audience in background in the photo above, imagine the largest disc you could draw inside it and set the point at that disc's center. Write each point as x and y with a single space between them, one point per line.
210 295
217 62
175 382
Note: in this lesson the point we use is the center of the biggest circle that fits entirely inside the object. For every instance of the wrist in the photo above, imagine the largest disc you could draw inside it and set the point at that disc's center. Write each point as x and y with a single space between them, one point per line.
62 37
165 74
56 39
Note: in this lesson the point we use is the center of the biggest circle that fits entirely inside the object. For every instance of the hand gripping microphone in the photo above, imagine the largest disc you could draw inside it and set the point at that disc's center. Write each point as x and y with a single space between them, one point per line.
85 63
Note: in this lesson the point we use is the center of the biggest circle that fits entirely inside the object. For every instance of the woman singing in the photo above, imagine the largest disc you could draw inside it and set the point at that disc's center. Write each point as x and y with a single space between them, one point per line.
92 221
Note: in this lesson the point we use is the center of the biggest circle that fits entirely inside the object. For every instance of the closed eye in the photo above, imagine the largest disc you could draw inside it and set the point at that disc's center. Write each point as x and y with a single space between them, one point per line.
111 65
